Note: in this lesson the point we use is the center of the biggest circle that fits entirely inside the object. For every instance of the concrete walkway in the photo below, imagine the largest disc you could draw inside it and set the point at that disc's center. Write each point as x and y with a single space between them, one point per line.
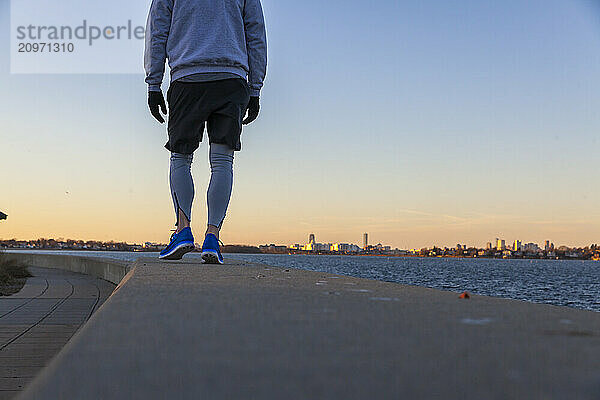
186 331
37 322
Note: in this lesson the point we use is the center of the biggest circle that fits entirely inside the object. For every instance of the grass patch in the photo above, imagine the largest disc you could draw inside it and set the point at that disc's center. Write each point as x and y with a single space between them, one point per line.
13 275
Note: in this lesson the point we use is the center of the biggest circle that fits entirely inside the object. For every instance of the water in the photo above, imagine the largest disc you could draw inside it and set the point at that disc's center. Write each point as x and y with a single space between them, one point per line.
560 282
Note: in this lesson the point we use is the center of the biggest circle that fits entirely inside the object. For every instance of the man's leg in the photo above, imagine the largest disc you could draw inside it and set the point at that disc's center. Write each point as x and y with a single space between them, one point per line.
229 97
219 188
182 191
182 188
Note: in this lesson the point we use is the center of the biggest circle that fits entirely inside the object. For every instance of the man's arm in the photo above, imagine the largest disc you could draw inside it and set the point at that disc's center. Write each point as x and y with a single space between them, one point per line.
157 32
256 45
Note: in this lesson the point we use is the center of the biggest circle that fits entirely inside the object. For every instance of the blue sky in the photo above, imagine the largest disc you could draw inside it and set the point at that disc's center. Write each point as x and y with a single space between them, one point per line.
420 122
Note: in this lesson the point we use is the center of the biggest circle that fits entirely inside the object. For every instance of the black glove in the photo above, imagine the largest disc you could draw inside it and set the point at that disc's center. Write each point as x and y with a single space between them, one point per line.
253 108
156 102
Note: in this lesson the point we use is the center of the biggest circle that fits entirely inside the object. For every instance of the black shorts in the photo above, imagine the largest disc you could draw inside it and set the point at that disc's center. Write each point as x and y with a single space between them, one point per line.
220 104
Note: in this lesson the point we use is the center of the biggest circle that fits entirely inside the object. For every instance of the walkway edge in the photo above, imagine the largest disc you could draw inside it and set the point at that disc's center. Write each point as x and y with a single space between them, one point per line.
112 269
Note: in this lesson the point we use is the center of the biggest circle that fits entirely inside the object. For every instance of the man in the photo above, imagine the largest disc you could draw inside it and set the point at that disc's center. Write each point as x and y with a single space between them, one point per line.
217 53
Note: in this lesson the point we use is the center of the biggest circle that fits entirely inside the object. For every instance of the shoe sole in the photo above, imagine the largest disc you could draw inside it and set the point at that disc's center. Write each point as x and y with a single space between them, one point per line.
211 257
178 252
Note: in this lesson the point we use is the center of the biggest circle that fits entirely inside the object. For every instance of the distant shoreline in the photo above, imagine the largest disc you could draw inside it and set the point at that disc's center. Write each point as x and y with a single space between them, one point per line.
319 254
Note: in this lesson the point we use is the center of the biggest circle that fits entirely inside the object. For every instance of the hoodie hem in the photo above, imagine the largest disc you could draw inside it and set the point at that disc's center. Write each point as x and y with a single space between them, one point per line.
198 69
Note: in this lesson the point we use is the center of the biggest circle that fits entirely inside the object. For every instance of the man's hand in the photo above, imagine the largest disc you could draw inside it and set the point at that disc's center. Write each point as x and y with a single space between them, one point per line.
253 109
156 102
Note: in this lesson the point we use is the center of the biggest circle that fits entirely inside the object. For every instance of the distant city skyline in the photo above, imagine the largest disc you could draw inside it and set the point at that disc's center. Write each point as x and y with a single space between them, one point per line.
526 251
418 122
499 244
313 244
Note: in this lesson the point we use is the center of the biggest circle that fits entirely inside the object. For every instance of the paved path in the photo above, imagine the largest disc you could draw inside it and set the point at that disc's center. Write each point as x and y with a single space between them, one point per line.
187 331
37 322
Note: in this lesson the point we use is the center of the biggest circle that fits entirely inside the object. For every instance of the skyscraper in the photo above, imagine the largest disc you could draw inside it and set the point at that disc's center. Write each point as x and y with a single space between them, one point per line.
365 240
500 244
517 245
311 238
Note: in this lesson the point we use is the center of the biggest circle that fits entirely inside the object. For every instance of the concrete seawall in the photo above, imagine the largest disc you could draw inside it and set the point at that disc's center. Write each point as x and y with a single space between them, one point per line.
103 268
185 330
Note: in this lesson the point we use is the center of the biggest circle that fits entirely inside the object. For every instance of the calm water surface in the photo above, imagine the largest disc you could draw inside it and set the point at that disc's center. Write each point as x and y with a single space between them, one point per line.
561 282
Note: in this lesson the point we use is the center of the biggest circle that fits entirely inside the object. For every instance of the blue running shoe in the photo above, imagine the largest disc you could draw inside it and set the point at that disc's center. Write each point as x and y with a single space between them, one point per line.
181 243
211 253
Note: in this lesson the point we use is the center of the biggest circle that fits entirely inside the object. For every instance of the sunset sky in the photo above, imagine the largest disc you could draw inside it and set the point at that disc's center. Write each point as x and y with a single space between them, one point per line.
419 122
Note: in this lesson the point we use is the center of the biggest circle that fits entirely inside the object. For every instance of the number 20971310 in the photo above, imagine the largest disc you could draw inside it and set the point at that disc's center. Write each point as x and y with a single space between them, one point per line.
26 47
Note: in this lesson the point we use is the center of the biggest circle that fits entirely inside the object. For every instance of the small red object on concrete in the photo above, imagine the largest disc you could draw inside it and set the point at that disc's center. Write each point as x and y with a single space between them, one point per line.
464 295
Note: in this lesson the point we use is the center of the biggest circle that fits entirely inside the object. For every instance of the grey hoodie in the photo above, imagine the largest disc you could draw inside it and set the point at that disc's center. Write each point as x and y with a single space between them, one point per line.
199 36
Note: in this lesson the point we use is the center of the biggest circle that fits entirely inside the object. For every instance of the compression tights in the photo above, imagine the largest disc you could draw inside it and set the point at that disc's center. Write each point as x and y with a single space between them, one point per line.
219 188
